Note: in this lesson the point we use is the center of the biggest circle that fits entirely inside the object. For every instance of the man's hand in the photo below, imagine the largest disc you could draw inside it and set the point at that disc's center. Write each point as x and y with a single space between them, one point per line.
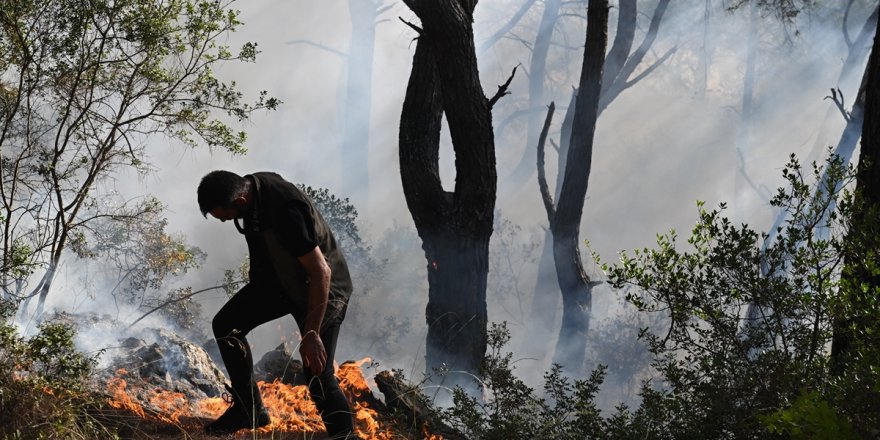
311 348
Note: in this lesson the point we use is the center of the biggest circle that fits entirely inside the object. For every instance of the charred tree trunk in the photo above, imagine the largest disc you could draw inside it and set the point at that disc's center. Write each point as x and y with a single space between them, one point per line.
621 62
565 216
454 226
546 298
356 134
457 271
860 282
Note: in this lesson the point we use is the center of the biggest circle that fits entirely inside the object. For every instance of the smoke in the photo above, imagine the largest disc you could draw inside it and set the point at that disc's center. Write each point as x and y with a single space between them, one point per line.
664 143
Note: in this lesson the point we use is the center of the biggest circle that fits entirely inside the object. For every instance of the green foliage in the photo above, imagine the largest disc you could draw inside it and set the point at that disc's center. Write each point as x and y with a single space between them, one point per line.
43 384
340 214
784 10
84 87
512 409
724 371
810 417
721 373
233 279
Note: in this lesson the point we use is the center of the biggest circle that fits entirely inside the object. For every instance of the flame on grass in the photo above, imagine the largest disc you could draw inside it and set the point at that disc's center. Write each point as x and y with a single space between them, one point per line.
121 400
290 407
353 383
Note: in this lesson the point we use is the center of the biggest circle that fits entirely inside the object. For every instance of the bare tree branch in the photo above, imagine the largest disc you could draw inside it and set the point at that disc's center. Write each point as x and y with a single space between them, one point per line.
182 298
502 89
542 176
323 47
838 99
418 30
500 33
651 68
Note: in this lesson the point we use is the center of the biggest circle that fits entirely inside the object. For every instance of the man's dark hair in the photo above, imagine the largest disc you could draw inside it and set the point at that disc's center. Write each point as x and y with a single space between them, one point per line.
218 189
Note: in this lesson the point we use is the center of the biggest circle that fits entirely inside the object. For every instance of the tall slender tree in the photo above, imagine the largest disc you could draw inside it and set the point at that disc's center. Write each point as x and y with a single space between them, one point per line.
621 64
565 215
846 144
622 59
358 91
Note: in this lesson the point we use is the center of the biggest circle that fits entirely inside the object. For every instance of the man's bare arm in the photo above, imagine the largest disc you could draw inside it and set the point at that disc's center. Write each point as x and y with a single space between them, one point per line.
312 348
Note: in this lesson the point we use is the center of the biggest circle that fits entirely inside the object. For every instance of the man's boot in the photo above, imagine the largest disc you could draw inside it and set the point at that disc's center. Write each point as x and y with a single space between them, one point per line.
246 411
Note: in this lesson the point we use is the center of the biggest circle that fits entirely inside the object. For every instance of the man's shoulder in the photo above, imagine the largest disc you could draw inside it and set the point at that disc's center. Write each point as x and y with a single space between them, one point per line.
274 188
268 176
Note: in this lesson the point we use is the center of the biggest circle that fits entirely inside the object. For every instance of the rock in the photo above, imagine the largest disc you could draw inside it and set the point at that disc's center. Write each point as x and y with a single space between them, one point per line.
279 364
171 363
210 347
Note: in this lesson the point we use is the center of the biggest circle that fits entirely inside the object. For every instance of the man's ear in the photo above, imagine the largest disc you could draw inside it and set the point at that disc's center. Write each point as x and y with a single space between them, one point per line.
240 201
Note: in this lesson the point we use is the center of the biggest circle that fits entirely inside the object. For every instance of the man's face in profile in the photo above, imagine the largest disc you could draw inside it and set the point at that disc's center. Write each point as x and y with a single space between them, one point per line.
224 214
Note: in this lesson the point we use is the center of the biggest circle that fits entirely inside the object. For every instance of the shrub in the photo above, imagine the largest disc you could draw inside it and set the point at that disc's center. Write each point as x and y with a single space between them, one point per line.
43 392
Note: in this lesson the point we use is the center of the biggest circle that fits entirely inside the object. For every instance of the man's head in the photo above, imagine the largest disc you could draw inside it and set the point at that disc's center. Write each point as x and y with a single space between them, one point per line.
223 194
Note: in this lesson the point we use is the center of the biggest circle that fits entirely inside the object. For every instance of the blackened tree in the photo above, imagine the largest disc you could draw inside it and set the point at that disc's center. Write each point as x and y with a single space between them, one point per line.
621 63
565 214
454 226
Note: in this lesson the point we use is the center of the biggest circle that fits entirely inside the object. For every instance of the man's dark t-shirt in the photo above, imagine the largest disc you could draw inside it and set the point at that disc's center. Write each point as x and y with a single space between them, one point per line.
282 226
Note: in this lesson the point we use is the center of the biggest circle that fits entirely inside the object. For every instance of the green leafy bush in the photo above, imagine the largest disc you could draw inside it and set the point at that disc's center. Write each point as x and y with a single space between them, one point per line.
752 317
743 347
43 384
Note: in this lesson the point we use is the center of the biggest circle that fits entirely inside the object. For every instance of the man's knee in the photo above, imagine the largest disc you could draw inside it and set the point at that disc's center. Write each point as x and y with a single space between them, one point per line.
225 327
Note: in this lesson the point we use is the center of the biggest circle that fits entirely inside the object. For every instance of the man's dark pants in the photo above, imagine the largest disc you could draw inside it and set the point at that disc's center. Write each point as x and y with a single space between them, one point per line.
261 302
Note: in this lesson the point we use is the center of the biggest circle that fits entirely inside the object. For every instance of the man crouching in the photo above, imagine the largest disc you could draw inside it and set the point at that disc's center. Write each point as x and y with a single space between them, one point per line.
296 268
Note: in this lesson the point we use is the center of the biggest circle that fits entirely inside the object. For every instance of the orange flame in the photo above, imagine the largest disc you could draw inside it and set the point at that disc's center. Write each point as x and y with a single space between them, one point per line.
171 405
426 434
121 399
290 407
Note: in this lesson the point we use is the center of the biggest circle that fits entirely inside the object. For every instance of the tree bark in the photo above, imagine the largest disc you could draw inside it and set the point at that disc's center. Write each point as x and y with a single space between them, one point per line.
565 216
546 297
860 282
615 80
454 226
627 13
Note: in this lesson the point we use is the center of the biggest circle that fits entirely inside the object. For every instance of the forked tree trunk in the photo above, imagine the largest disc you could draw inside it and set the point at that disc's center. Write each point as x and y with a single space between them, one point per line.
454 226
565 216
621 64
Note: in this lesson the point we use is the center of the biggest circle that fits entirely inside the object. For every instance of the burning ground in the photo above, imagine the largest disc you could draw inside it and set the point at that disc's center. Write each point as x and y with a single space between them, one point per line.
159 385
